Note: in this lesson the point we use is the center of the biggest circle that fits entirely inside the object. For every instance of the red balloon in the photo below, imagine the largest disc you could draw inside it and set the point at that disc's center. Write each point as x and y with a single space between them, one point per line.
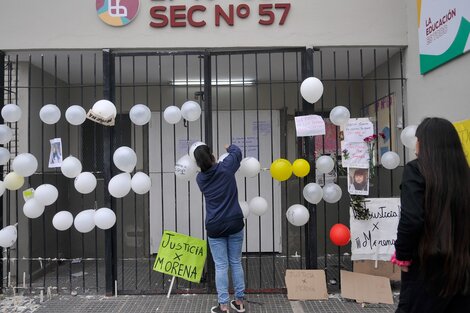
340 234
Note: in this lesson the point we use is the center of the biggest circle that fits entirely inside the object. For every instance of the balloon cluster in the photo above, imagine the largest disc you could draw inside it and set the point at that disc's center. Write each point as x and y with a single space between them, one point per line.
282 169
190 111
50 114
120 185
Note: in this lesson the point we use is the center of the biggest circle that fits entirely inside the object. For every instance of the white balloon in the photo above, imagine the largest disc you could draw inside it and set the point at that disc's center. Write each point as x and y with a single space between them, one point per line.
75 115
6 134
340 115
185 168
104 108
33 208
49 114
140 114
408 137
191 111
4 156
249 167
25 164
193 147
245 208
8 236
172 114
105 218
258 206
125 159
311 89
141 183
46 194
71 167
325 164
2 188
11 113
85 182
297 215
390 160
222 157
85 221
62 220
13 181
120 185
313 193
332 193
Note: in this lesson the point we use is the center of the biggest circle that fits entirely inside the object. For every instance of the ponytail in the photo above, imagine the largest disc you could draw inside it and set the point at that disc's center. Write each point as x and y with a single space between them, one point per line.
204 157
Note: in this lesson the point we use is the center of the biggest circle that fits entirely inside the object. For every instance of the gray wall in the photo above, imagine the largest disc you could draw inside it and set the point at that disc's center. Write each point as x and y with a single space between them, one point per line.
310 22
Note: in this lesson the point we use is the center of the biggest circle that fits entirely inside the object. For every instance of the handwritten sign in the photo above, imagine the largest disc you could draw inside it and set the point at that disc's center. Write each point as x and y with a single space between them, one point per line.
263 127
463 128
374 239
355 154
309 125
306 285
182 256
248 145
357 129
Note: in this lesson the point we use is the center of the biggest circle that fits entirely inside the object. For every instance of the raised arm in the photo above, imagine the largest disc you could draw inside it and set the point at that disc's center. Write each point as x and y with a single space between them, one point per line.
232 161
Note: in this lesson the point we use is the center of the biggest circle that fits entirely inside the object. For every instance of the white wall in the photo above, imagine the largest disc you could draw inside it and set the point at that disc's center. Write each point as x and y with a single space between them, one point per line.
443 92
75 24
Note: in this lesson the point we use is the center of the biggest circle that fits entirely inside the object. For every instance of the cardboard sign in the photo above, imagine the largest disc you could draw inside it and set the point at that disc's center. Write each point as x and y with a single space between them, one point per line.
378 268
309 125
374 239
366 288
463 128
306 285
182 256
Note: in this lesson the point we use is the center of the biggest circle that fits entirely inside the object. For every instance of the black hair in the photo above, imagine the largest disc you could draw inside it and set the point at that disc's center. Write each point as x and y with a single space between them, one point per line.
204 157
446 173
361 172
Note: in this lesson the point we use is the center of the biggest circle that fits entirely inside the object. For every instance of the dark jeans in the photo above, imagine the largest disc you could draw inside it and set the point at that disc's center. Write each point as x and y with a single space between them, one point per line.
416 296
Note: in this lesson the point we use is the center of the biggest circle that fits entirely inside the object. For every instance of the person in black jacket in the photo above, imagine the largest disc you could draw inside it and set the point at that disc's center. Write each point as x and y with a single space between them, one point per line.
224 222
433 236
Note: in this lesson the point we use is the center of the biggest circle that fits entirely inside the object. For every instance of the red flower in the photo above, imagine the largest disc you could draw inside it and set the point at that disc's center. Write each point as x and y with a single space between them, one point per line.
382 135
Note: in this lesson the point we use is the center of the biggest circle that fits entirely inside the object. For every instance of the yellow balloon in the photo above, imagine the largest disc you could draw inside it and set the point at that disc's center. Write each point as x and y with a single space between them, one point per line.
301 168
13 181
281 169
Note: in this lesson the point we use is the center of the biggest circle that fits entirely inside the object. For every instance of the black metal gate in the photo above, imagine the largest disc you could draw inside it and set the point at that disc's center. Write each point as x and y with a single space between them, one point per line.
249 97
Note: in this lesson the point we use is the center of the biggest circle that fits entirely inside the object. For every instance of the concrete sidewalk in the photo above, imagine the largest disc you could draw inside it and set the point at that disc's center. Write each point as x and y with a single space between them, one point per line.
277 303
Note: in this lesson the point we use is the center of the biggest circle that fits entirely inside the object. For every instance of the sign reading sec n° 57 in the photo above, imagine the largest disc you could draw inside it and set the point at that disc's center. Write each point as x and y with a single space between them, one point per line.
229 14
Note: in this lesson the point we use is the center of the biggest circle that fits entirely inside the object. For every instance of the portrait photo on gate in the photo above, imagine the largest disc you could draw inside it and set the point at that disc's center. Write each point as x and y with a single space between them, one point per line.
358 181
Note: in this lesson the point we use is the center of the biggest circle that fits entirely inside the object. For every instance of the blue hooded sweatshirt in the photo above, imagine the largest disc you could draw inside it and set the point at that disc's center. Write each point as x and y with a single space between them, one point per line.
224 216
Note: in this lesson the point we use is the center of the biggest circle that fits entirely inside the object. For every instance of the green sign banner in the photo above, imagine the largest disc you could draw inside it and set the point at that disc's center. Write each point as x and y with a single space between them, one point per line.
443 30
182 256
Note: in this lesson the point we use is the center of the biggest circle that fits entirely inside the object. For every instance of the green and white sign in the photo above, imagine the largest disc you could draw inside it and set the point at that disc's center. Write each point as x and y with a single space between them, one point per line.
182 256
444 29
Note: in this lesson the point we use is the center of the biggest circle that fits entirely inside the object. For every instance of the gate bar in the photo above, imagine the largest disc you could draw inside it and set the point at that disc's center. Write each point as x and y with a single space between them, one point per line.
311 226
108 135
2 87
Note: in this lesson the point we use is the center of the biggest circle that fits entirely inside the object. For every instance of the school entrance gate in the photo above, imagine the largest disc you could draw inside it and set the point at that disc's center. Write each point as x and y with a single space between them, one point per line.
248 97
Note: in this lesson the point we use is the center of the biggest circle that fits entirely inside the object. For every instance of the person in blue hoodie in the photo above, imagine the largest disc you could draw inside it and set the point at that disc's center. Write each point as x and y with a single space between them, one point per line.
224 222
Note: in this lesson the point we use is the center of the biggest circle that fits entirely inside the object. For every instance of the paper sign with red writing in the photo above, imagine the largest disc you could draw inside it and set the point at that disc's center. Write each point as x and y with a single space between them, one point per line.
309 125
355 154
